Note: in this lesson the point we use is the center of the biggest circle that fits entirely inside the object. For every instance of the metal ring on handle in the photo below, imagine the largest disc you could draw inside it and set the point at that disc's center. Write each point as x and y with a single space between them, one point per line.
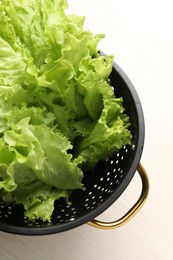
136 207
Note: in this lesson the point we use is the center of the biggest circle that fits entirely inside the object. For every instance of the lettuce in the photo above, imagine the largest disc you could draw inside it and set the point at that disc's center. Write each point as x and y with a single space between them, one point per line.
58 113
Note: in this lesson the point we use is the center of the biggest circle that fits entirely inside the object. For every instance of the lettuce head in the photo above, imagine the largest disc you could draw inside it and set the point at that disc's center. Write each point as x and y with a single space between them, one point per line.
58 112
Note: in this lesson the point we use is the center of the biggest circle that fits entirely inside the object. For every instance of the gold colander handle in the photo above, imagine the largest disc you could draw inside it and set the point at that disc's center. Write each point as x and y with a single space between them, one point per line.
136 207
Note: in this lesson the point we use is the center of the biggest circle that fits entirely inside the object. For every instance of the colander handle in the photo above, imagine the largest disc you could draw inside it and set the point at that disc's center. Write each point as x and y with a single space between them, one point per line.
136 207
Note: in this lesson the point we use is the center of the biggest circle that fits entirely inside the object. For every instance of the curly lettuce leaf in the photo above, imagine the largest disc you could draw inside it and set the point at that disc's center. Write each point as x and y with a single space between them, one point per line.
107 136
37 197
58 169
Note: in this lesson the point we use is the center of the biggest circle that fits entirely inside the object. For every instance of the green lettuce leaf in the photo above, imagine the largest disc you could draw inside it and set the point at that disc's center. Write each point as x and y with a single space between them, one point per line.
107 136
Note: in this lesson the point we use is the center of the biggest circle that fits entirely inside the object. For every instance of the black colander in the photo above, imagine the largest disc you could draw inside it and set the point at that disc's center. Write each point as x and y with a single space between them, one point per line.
109 180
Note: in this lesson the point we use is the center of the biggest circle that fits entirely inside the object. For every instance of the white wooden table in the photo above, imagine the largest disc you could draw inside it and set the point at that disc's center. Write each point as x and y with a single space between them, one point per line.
140 35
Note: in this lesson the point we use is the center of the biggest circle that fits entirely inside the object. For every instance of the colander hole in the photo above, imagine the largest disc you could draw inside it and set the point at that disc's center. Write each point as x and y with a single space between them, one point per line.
115 176
95 186
118 154
71 219
108 173
68 206
111 162
111 183
86 199
90 193
121 175
67 215
126 150
9 212
119 169
9 207
102 189
106 190
58 216
114 170
93 197
117 161
86 205
62 210
73 209
6 215
100 196
108 179
99 187
101 179
122 157
2 207
94 202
